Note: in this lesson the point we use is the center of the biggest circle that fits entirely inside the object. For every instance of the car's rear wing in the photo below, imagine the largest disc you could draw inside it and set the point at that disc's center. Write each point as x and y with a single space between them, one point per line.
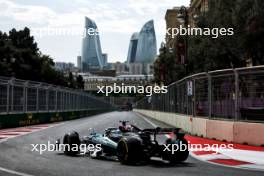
160 130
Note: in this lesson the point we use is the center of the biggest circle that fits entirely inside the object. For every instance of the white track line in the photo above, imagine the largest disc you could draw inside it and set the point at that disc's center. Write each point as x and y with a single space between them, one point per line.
14 172
147 120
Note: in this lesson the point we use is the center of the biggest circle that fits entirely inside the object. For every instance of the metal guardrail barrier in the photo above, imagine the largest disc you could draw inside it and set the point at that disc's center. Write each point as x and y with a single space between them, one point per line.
236 94
20 96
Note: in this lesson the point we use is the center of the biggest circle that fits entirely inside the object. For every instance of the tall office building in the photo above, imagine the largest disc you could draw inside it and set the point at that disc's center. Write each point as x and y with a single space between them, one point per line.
143 45
147 44
142 50
79 62
172 22
92 58
131 56
105 59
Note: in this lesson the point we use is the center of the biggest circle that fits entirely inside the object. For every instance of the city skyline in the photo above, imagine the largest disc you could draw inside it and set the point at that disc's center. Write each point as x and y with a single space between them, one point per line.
116 24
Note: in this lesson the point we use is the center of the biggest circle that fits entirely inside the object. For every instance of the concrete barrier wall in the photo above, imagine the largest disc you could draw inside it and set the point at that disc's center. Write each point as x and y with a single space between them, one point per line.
249 133
199 127
25 119
172 119
230 131
220 130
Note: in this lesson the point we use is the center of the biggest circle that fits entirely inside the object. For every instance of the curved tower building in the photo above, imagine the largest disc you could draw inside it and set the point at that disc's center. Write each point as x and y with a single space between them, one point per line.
131 56
146 45
92 58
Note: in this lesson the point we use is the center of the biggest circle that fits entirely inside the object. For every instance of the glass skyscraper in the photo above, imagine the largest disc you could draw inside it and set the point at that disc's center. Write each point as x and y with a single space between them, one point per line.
92 58
131 56
143 45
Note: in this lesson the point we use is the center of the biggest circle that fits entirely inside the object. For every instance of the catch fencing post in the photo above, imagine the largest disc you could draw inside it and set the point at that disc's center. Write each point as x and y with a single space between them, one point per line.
7 96
56 100
12 96
25 108
37 98
236 94
186 98
47 99
209 95
194 99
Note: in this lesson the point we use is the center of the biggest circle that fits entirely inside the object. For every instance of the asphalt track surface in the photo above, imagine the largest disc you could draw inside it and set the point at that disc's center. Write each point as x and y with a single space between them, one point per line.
16 155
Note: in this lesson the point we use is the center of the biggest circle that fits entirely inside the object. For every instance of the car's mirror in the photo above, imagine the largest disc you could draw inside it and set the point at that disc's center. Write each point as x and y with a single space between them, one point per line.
91 130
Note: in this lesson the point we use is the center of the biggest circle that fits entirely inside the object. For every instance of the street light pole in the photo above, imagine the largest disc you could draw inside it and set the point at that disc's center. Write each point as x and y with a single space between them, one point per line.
183 16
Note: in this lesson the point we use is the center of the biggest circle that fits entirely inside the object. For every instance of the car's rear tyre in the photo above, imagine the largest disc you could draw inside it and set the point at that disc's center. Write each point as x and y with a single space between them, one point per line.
178 156
129 151
72 143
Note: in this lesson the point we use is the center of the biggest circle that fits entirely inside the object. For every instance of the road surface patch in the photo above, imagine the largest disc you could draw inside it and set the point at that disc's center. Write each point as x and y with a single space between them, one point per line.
14 132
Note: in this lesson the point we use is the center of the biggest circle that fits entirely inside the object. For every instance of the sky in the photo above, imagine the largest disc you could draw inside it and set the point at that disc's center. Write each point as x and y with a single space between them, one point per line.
116 21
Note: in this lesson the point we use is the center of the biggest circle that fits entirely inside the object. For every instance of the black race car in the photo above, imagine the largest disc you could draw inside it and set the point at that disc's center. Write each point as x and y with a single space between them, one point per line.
130 144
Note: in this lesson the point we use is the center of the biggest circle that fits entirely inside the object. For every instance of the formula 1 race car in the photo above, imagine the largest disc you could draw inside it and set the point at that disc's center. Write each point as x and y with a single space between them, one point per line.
131 145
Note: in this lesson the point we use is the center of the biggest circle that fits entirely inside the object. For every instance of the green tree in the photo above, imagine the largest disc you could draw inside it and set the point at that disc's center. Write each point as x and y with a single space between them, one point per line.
207 53
80 82
249 17
20 57
167 69
246 17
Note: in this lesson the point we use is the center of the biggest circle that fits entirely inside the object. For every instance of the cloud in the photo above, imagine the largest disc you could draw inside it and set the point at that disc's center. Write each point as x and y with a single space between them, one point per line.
105 13
26 13
125 17
116 20
142 7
